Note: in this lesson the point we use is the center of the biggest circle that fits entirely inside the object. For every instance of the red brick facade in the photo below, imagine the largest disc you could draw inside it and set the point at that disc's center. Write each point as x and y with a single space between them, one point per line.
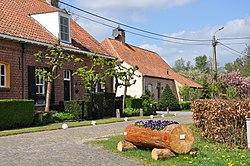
14 53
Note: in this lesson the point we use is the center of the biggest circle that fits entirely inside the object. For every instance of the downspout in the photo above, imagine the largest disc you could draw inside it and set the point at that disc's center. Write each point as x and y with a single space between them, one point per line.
23 71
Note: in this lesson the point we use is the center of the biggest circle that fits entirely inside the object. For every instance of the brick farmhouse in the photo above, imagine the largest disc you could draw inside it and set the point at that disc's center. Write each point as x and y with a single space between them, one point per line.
29 26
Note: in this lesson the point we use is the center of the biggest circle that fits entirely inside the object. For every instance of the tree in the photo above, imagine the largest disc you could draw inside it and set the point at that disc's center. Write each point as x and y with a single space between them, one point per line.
168 100
206 90
187 93
184 92
235 81
55 57
93 74
124 76
180 65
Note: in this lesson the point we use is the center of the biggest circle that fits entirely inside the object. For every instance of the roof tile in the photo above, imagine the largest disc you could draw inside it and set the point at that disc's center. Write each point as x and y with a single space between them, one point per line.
16 21
149 63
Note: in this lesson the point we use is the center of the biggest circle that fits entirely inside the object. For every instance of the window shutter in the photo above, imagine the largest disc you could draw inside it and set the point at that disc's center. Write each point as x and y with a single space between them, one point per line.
31 82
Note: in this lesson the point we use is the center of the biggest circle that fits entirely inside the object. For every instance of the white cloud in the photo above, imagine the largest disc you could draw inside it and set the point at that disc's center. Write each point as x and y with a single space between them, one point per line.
233 28
138 18
131 4
154 47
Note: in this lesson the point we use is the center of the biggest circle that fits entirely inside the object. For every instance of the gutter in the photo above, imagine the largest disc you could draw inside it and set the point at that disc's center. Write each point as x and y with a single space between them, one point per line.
47 44
23 71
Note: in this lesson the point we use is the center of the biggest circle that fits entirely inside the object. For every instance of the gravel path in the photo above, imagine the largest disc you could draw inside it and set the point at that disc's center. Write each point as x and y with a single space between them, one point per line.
67 147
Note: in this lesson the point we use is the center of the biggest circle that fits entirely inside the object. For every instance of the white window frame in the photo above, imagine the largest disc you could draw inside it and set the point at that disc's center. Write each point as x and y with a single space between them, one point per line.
151 88
65 26
40 82
67 77
3 75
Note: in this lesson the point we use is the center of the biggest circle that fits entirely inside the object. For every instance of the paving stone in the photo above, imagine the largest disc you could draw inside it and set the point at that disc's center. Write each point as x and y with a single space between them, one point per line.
67 147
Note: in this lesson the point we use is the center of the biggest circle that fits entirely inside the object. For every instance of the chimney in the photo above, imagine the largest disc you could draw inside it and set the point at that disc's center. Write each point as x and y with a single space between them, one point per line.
53 3
119 34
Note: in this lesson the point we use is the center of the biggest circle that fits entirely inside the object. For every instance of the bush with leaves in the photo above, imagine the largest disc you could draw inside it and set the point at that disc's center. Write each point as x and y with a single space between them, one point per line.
131 112
234 85
149 107
168 100
61 116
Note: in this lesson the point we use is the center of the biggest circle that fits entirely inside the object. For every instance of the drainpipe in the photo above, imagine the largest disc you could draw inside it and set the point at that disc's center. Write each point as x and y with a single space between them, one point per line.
23 71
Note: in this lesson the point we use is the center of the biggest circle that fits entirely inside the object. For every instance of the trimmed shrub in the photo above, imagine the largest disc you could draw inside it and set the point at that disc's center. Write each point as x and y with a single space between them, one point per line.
109 104
58 117
131 112
16 113
168 100
74 107
98 105
134 103
222 120
185 105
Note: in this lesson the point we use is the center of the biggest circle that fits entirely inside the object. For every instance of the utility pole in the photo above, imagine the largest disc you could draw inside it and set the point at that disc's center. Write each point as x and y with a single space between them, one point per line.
214 44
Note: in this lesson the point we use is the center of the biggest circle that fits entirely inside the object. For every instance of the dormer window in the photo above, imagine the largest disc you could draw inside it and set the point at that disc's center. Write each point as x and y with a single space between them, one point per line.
64 28
57 23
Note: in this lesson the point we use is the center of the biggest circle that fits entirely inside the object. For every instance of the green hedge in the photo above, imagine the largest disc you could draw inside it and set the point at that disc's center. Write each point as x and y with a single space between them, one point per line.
109 104
185 105
103 105
74 107
98 105
16 113
134 103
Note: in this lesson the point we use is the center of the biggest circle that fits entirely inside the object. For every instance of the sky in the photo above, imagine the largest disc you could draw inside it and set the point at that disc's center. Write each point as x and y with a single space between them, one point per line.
189 19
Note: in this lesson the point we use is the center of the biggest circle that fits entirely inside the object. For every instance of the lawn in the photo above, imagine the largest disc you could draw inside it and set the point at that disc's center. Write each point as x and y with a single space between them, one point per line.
56 126
212 153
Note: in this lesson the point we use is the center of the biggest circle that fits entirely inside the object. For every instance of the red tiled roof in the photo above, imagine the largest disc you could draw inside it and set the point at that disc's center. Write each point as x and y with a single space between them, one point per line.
149 63
16 21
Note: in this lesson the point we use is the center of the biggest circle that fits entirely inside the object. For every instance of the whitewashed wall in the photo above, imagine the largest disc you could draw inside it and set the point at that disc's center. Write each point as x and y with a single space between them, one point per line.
51 21
135 90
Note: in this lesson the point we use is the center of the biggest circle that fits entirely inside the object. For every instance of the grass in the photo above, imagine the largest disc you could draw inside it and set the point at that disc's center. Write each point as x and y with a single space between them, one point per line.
56 126
212 154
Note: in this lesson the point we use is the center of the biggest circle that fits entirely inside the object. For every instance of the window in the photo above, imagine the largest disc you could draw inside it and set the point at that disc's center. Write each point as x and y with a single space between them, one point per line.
67 75
40 90
150 88
67 85
40 86
2 75
64 28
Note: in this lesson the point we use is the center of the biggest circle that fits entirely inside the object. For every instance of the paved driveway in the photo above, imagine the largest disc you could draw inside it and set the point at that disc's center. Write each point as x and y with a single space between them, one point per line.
67 147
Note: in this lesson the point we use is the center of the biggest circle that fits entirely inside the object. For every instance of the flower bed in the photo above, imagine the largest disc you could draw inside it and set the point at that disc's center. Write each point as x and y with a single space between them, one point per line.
155 125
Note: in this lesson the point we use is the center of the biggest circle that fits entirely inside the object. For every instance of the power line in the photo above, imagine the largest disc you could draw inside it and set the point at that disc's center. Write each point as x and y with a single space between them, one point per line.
226 49
110 26
234 38
149 37
231 49
131 27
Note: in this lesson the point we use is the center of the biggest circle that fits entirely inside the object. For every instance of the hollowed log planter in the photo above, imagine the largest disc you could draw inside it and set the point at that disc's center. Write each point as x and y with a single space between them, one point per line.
176 137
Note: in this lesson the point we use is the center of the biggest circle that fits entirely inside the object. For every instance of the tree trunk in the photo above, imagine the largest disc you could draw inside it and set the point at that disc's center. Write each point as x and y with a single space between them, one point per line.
48 96
177 137
124 97
161 153
125 145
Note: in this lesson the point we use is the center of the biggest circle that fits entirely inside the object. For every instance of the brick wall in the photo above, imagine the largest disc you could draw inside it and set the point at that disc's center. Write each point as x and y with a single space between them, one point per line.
11 52
163 82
